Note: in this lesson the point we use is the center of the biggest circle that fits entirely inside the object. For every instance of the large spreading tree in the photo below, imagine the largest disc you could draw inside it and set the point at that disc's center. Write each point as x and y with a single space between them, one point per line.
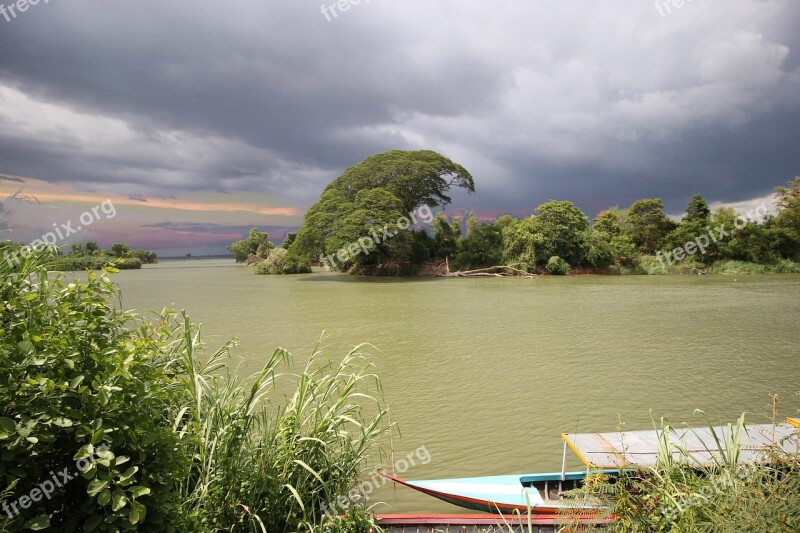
372 195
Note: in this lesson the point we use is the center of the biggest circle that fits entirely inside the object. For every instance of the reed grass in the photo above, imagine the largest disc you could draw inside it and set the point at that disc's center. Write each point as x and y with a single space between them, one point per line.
268 461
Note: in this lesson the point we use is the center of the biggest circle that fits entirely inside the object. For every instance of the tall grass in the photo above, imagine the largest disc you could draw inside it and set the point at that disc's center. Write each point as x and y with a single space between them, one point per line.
267 461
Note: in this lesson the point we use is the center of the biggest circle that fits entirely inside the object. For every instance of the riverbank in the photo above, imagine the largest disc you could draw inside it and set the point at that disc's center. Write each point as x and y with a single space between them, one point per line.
644 266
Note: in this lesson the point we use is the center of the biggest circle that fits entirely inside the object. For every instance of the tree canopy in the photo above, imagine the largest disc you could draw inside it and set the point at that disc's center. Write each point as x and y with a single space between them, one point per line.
355 227
373 195
417 177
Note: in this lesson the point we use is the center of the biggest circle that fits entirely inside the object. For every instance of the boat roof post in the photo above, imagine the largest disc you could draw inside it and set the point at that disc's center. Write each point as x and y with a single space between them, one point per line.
564 463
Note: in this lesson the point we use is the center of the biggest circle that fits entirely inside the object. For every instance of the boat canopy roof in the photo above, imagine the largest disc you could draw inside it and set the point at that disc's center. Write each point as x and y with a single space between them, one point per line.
625 449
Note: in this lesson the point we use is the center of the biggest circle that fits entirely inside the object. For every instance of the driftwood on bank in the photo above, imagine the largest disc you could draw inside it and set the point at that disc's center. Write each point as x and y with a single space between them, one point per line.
492 271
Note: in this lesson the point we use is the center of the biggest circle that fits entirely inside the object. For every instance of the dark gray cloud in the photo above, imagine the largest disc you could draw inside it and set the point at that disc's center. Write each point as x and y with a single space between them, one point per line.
596 102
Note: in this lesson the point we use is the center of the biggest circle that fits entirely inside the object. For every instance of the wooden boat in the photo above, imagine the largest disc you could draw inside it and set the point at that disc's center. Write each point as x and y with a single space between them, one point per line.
539 493
608 453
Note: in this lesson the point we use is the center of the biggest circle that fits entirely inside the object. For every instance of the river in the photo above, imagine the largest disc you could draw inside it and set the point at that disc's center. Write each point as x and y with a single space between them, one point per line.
486 373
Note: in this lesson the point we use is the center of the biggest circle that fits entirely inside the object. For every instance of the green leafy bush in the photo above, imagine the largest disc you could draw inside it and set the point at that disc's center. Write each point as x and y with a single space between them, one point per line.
65 263
557 266
282 261
76 374
165 437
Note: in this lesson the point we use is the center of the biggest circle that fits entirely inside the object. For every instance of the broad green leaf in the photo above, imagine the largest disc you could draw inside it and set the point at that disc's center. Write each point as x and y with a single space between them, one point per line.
96 486
133 516
38 523
104 457
87 450
96 436
7 427
118 499
63 422
139 490
104 497
129 473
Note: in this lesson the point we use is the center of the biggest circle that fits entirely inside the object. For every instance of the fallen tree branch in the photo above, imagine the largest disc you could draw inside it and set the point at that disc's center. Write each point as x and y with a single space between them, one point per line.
492 271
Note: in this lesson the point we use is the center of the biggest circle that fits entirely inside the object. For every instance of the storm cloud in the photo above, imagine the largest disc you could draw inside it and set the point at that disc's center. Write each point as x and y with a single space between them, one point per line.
597 102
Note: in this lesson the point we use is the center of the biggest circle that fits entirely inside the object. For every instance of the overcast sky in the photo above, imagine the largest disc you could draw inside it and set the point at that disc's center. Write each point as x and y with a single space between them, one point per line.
199 119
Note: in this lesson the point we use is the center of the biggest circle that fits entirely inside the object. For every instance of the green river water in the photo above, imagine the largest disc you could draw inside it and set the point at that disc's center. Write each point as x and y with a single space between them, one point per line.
486 373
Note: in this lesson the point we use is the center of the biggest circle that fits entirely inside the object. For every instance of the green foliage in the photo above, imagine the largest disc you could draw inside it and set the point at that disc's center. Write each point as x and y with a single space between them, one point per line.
355 520
120 249
423 247
738 267
647 225
483 246
71 262
623 250
518 241
650 264
596 250
372 195
75 375
261 464
373 209
558 227
556 265
610 222
170 438
785 266
687 232
446 236
90 257
417 177
257 243
697 210
280 261
294 264
785 237
788 203
290 237
147 257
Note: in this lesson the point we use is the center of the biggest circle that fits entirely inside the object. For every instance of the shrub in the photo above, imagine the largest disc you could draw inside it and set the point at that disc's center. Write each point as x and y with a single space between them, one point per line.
786 266
738 267
274 263
167 438
65 263
77 375
557 266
